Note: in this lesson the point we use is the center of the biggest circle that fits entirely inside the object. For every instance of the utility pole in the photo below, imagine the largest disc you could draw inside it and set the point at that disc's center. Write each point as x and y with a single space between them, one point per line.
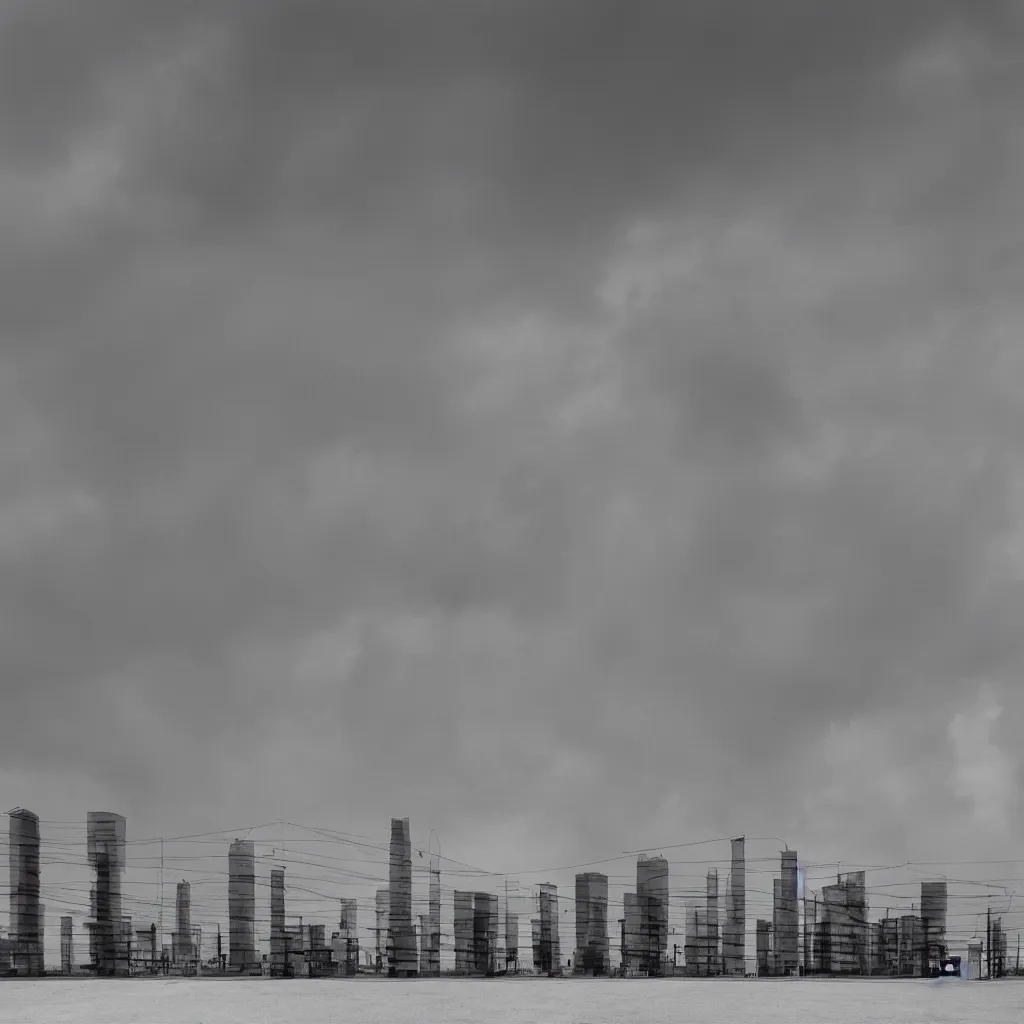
1018 953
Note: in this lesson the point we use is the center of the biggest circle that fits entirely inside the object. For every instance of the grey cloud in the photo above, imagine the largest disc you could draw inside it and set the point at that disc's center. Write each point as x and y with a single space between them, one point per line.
554 124
314 531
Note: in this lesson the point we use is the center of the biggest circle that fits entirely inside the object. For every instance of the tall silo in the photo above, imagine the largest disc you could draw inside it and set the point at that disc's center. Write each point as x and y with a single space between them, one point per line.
242 905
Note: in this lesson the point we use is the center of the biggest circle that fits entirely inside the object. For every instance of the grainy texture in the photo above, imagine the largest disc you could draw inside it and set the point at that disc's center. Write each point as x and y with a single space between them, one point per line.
570 1001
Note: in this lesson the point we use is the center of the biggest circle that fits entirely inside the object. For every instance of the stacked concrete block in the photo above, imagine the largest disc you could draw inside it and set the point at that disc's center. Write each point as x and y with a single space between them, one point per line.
242 954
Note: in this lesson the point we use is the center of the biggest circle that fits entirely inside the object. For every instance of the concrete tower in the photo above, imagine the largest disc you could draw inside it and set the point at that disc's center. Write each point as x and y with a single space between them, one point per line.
463 931
401 932
736 928
712 921
550 948
789 929
933 919
278 939
652 892
485 920
592 953
242 905
182 945
434 959
26 914
105 841
634 952
347 949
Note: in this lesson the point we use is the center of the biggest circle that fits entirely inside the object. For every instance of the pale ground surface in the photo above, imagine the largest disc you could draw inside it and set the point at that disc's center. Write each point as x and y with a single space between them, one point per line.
185 1001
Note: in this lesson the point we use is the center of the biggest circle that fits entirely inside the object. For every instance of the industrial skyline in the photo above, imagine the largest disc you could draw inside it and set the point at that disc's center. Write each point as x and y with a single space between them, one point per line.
832 929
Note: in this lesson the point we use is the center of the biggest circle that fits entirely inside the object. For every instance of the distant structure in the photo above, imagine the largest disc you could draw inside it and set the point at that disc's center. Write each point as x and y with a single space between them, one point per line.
464 923
511 936
495 952
550 949
933 924
144 952
652 893
401 933
810 917
382 930
787 930
883 947
485 939
105 841
765 965
712 955
181 940
67 946
423 922
592 952
910 938
841 932
997 946
279 966
735 937
434 935
690 945
535 934
242 905
634 941
703 959
26 915
345 940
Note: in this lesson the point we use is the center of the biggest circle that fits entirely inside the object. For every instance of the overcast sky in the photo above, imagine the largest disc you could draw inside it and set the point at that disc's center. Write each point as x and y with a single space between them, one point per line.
577 426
